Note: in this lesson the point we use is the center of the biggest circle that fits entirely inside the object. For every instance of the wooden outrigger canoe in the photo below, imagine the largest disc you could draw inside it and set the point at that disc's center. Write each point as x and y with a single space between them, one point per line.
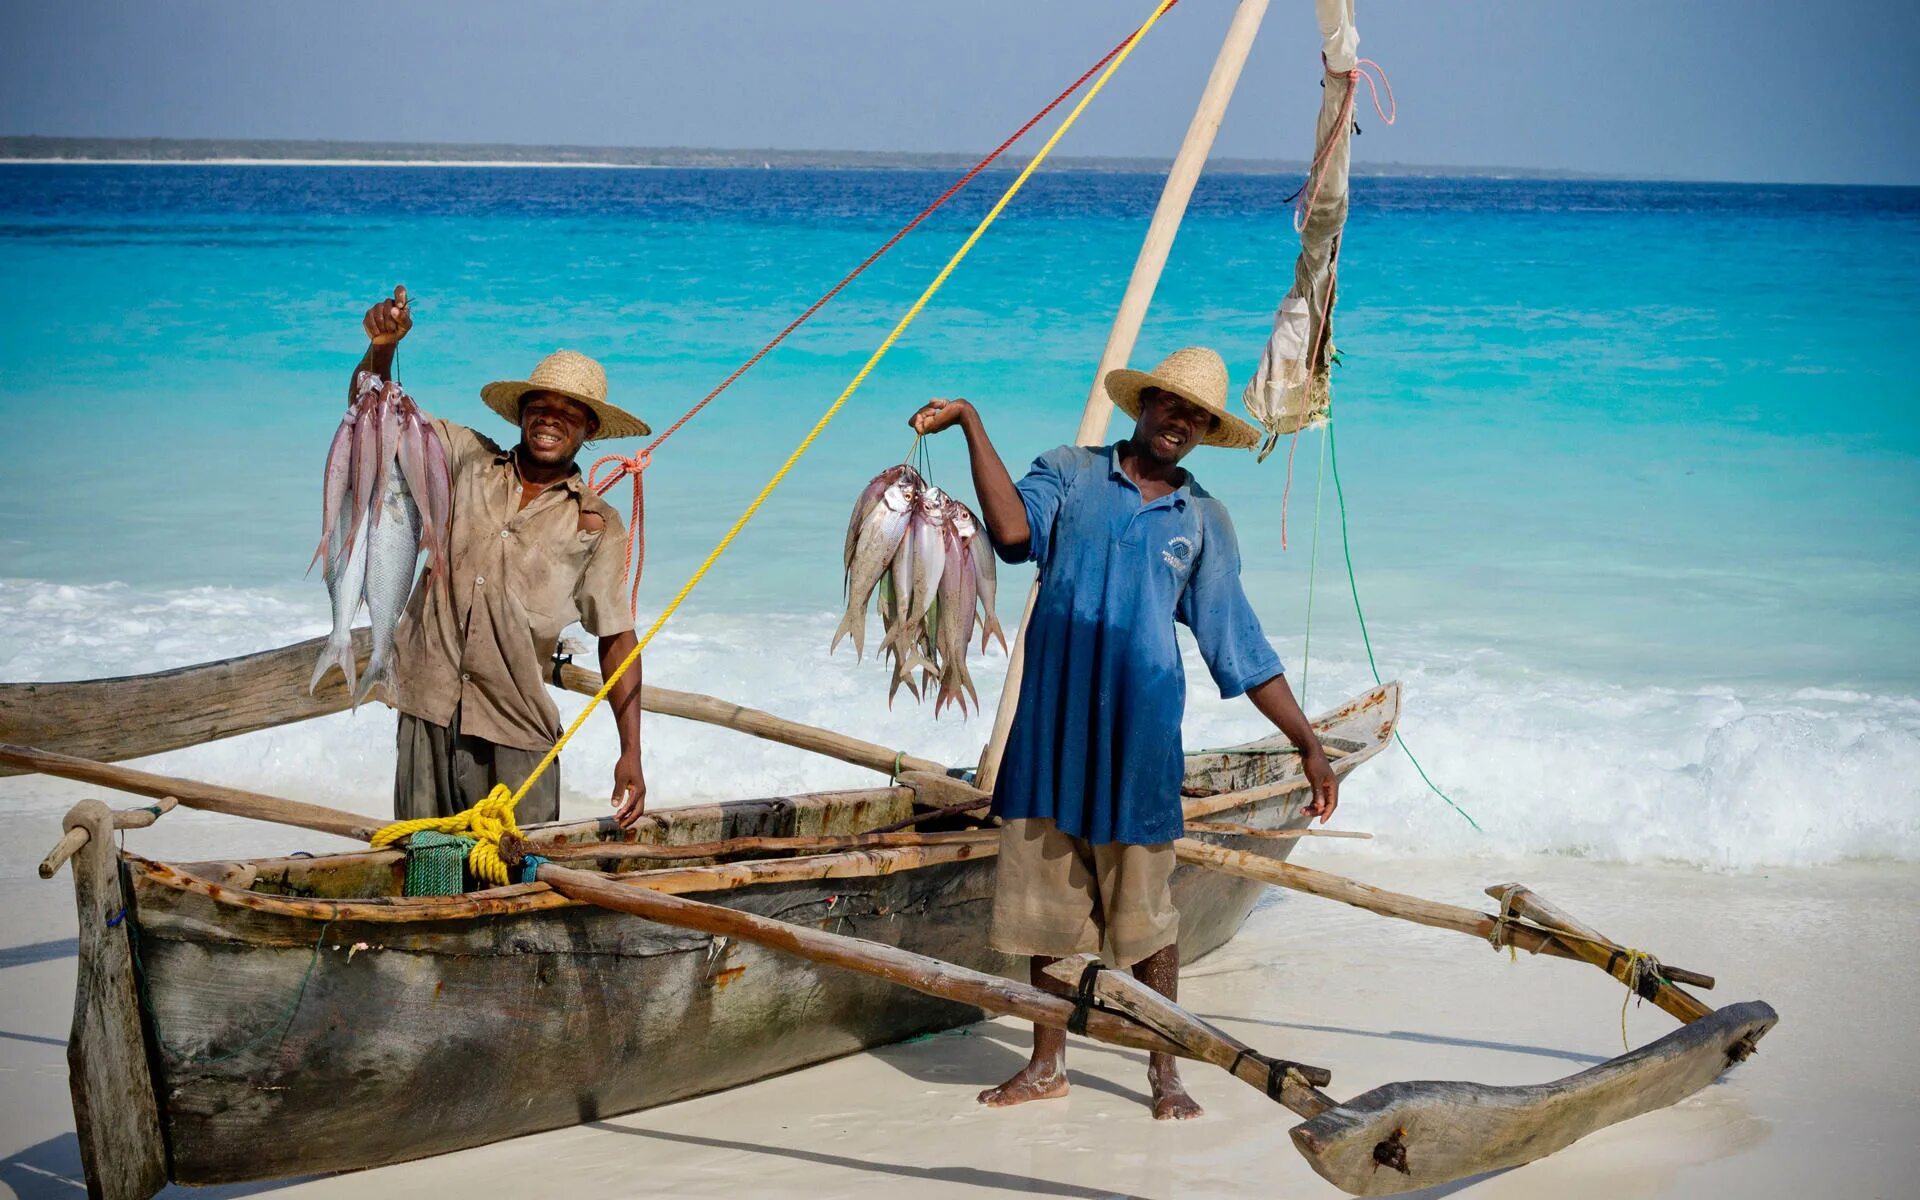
241 1020
299 1014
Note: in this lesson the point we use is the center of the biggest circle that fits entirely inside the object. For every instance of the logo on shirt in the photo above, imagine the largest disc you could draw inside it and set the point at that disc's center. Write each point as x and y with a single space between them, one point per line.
1179 553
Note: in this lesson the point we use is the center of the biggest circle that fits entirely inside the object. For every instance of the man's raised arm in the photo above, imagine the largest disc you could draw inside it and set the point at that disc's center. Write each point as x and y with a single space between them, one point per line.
386 323
1000 504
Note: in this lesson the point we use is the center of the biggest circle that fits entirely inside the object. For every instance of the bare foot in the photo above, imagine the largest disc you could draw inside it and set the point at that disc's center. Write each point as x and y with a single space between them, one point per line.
1035 1081
1170 1099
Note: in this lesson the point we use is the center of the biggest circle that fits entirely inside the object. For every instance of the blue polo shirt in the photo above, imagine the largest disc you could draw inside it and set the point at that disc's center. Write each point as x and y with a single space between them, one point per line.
1095 745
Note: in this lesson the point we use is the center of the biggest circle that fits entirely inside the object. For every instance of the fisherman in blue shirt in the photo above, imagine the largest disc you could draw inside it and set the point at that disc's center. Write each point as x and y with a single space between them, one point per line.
1127 543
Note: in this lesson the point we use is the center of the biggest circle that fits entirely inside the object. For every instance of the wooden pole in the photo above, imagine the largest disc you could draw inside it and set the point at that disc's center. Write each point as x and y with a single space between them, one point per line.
1589 946
1430 913
1206 1042
784 846
1174 195
207 797
77 834
108 720
1275 834
115 1115
710 710
931 976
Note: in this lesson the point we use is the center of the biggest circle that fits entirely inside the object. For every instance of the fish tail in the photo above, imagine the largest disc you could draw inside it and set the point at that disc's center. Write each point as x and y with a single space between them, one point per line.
337 652
854 625
376 676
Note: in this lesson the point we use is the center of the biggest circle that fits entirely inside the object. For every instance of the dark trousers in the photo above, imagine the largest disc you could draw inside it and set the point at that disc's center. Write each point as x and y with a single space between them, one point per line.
440 771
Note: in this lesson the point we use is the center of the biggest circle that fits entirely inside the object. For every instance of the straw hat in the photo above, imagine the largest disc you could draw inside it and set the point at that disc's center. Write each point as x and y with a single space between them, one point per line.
1196 374
569 374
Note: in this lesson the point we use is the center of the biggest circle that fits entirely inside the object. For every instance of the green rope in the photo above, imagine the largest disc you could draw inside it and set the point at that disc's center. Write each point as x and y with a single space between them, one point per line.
276 1030
1346 548
437 864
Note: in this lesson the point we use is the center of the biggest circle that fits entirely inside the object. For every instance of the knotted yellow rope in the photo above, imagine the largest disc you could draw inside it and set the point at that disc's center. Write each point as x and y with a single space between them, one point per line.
486 821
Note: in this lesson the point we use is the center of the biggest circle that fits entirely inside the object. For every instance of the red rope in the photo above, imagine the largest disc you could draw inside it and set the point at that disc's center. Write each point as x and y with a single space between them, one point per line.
636 539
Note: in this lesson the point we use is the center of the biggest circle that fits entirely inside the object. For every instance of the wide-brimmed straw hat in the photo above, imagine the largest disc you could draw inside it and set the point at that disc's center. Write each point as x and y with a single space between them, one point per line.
575 376
1195 374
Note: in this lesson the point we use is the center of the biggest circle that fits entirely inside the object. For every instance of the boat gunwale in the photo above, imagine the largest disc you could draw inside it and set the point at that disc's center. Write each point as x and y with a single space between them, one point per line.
522 898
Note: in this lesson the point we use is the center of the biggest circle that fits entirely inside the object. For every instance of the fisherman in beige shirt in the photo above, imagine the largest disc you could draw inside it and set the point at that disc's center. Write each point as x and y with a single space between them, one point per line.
533 550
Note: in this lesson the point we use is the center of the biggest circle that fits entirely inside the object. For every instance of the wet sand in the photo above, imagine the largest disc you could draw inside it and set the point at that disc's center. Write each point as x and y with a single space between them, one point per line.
1826 1108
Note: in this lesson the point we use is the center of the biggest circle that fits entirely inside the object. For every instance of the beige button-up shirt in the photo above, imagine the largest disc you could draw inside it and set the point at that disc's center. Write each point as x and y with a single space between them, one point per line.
484 645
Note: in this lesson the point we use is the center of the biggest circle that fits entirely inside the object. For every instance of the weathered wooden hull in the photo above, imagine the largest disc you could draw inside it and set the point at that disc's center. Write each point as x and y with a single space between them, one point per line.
283 1043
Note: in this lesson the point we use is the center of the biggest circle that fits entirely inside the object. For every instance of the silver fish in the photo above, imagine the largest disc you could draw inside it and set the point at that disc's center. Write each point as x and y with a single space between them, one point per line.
333 488
393 551
927 532
874 546
346 578
983 568
386 494
870 496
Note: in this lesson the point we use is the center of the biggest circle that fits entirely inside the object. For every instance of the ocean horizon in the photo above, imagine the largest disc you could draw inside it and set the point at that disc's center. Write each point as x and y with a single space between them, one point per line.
1631 470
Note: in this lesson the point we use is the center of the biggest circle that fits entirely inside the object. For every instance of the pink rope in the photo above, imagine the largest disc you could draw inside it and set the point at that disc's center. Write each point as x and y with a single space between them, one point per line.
637 525
1343 131
1288 490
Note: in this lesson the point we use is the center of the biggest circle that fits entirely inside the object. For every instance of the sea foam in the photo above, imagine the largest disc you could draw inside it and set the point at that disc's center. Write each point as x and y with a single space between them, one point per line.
1720 777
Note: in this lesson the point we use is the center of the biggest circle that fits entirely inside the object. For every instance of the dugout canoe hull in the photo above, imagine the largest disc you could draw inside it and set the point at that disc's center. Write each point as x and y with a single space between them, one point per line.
299 1017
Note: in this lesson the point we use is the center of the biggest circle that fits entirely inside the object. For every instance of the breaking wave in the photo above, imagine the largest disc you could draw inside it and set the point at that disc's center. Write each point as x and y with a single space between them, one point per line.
1721 777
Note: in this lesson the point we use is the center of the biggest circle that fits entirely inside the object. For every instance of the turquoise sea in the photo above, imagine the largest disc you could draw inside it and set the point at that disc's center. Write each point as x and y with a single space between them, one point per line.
1631 470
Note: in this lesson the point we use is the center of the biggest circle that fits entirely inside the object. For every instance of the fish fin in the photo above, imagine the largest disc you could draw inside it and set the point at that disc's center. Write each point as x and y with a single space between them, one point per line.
376 677
853 624
333 654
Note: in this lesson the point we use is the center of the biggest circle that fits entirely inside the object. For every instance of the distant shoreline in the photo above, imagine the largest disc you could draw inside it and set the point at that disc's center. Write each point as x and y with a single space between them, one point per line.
234 152
325 162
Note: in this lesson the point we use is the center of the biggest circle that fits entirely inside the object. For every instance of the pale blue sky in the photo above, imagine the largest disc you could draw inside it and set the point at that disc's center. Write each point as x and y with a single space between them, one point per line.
1808 90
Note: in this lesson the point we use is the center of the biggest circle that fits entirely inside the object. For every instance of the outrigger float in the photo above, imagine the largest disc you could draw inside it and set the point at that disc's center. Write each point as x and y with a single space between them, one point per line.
271 1017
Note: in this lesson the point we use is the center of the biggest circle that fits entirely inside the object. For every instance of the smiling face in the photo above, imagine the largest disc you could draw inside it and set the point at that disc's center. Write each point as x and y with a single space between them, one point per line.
1169 427
553 428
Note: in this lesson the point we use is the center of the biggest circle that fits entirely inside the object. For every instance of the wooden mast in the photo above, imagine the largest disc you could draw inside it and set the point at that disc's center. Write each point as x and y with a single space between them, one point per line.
1133 309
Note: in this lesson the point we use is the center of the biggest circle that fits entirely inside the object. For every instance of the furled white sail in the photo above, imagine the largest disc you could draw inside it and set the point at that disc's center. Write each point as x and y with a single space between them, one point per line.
1291 390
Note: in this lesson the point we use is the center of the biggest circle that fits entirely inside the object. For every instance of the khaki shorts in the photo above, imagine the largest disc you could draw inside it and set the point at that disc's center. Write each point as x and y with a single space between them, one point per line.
1058 896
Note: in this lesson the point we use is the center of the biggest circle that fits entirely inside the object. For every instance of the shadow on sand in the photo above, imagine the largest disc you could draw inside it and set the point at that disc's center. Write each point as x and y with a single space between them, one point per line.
972 1176
52 1171
37 952
1408 1035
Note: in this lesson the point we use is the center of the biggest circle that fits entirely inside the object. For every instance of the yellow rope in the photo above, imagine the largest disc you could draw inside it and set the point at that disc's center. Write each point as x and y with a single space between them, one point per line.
493 816
1640 965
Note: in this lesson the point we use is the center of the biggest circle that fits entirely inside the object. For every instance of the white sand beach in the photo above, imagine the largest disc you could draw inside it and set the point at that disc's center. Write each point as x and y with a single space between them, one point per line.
1827 1107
